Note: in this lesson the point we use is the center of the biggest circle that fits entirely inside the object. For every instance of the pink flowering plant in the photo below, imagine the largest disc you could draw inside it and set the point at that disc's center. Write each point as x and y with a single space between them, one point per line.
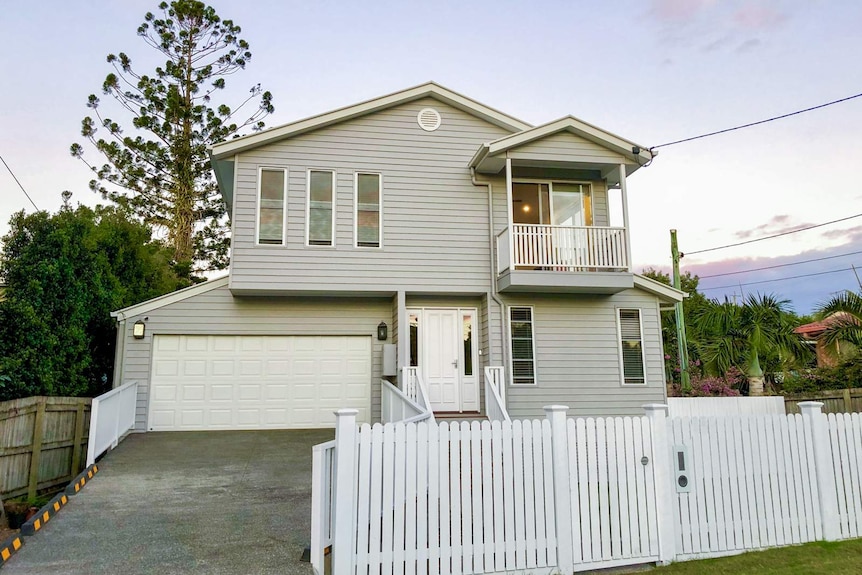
726 385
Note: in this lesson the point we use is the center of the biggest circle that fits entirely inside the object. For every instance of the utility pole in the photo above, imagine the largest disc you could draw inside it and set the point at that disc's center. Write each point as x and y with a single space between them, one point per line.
682 342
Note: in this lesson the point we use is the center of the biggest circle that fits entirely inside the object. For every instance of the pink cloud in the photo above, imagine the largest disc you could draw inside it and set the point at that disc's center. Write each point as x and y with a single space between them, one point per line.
678 10
757 17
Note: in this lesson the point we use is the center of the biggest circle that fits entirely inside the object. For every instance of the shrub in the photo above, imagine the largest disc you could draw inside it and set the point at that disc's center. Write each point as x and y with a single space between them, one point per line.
726 385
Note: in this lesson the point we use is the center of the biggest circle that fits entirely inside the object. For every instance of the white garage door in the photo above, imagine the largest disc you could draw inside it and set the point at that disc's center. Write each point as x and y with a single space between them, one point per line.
257 382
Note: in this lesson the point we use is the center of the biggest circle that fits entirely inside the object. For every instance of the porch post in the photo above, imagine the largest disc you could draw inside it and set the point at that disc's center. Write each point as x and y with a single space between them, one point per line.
511 216
403 348
625 200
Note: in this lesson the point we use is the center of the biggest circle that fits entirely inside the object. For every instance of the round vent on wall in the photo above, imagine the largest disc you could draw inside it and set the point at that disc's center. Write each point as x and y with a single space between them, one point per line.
428 119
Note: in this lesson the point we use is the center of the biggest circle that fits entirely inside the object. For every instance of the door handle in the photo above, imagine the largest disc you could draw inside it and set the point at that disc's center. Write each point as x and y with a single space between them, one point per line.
455 364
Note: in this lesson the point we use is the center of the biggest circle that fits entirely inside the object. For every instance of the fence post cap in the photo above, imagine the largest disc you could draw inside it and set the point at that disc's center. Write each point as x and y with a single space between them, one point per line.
810 406
346 411
555 408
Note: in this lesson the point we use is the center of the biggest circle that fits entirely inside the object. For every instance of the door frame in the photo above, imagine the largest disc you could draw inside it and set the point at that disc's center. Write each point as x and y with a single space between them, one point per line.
464 381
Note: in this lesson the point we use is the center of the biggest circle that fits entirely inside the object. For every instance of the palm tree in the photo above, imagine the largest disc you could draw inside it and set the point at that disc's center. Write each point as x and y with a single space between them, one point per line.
843 318
759 331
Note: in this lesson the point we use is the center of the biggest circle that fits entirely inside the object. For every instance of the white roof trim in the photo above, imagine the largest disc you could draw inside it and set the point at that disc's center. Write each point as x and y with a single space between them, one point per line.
167 299
231 147
569 124
664 292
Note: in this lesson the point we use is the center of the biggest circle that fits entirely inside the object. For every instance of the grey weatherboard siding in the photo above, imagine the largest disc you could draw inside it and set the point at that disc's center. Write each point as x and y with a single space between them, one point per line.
217 312
436 250
435 221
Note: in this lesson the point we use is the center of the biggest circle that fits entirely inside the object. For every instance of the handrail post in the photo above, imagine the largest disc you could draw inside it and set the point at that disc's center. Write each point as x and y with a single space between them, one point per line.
345 489
662 463
814 417
556 415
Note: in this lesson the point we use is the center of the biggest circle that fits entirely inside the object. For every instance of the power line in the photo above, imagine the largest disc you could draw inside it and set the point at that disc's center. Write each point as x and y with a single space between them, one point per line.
758 122
773 236
776 280
780 265
19 183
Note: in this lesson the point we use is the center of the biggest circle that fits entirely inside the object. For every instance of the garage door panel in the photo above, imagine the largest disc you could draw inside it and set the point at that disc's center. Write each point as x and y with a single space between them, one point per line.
252 382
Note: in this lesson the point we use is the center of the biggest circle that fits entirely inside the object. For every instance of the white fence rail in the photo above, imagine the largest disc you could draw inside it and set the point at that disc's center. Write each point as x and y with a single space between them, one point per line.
396 406
708 406
564 248
495 403
112 415
565 495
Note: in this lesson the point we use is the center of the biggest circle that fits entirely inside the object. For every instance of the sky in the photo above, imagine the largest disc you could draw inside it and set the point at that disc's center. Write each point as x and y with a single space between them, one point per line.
651 71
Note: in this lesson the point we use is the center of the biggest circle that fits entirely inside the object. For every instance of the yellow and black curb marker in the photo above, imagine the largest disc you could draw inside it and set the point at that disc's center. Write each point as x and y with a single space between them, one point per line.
38 521
82 480
9 547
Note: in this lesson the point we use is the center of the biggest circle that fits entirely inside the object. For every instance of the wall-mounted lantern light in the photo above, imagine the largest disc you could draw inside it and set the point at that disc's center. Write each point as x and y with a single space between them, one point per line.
138 329
382 331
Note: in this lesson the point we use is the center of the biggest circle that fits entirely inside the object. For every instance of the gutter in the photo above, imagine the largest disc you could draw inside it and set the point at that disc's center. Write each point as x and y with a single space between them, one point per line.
493 290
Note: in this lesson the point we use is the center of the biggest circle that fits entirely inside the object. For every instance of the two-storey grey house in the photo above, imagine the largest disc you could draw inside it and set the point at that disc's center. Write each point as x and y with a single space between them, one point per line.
417 229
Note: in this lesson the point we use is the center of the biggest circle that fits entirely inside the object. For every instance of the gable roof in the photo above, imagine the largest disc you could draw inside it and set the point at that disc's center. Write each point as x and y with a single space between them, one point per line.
167 299
566 124
430 89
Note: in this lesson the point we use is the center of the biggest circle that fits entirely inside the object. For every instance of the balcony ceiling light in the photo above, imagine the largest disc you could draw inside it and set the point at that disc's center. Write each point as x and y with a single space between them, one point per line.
526 207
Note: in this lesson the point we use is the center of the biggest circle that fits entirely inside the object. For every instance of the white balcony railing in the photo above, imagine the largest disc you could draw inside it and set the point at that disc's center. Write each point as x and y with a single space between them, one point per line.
563 248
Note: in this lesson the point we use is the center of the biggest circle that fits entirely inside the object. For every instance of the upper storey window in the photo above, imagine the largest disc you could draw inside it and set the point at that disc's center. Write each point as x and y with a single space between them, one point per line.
271 206
368 210
320 207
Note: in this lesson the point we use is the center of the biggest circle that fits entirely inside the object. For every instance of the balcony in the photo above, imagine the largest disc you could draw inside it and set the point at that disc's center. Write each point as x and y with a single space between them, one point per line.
563 259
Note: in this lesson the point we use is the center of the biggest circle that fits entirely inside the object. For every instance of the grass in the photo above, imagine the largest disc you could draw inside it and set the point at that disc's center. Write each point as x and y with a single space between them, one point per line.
837 558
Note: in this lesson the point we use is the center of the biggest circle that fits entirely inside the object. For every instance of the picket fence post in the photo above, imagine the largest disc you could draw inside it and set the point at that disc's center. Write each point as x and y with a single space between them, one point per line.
344 490
662 465
556 415
813 415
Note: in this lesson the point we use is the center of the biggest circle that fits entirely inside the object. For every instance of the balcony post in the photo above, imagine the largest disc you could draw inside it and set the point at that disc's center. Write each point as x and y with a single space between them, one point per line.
510 203
625 200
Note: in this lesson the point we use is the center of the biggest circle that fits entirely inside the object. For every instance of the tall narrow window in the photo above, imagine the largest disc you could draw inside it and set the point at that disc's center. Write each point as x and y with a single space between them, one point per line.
631 347
467 332
270 225
414 339
320 204
523 348
368 210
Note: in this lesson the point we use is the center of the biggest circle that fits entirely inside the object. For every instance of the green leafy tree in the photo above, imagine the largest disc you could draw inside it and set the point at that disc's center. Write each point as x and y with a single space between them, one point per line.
64 274
160 170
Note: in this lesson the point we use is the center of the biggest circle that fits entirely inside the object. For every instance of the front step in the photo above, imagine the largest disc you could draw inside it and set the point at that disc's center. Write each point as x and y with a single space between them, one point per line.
460 416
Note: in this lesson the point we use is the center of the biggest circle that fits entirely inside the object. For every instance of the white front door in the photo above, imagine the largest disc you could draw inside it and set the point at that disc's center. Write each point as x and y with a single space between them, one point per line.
440 360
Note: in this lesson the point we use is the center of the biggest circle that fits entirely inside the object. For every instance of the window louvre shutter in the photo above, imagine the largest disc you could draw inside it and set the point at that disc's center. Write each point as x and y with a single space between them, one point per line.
521 335
631 344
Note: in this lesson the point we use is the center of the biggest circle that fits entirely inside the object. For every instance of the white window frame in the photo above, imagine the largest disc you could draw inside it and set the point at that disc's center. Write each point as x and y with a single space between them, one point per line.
260 170
308 208
550 183
620 346
356 210
511 354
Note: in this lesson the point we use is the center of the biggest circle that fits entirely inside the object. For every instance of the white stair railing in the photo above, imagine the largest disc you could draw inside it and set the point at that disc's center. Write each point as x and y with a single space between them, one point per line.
495 402
413 389
112 415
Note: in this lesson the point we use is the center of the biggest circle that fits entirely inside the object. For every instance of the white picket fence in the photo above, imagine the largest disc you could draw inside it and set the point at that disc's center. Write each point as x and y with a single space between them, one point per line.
708 406
563 495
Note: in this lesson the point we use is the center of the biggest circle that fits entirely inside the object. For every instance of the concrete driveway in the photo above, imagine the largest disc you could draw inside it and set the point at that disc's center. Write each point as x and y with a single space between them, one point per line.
196 502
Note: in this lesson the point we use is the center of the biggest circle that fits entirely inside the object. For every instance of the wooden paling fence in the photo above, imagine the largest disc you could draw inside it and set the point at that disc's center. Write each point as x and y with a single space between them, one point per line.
43 443
848 400
563 495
